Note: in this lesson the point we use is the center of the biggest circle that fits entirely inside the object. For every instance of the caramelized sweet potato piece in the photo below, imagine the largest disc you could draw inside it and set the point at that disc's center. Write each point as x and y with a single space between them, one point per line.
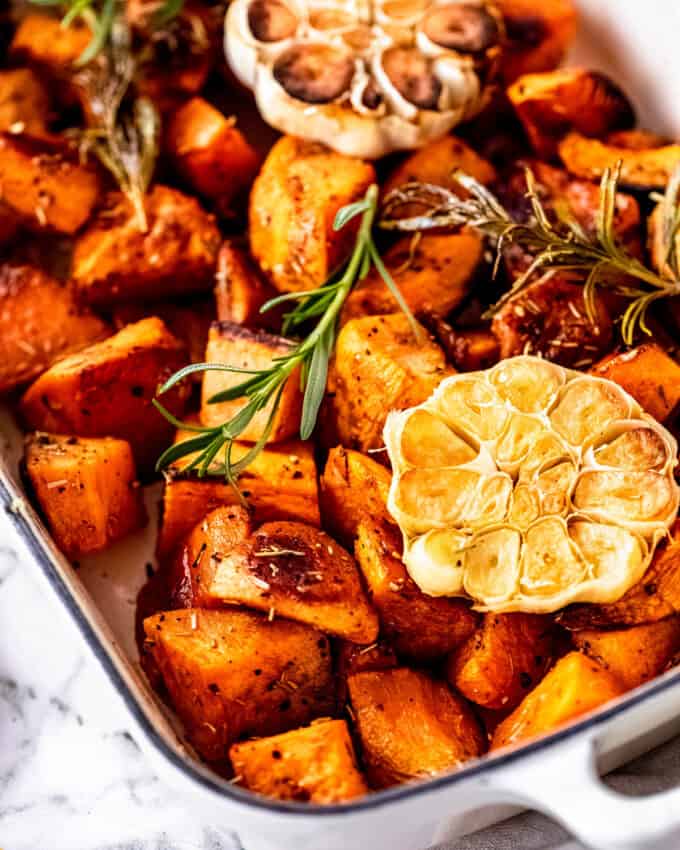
380 365
633 655
551 104
640 169
316 764
106 390
44 185
293 203
39 323
237 346
505 658
233 674
209 152
419 626
468 349
434 274
538 35
24 102
241 291
574 686
42 41
411 726
87 490
113 260
650 375
351 658
353 486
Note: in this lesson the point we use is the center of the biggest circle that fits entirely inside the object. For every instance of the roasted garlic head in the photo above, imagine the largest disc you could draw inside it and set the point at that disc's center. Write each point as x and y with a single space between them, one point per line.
530 486
365 77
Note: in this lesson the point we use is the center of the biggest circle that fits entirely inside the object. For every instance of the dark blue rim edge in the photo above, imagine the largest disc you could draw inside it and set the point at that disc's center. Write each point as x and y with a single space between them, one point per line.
201 777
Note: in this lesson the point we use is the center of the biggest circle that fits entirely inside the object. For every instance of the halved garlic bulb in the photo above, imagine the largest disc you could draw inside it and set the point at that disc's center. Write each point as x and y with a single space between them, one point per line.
529 486
365 78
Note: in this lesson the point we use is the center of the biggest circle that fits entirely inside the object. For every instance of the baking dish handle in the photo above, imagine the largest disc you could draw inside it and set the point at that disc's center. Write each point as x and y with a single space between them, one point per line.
565 785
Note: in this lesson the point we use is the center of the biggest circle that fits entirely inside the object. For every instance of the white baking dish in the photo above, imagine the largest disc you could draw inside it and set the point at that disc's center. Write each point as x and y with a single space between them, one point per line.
559 775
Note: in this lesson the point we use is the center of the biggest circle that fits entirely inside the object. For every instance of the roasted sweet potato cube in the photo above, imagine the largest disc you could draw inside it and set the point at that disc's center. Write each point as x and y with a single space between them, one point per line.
468 349
633 655
39 323
209 152
241 291
551 104
42 182
505 658
233 674
24 102
107 389
650 375
574 686
42 41
237 346
640 169
280 483
293 203
411 726
353 486
434 274
316 764
351 658
381 365
538 35
86 488
296 571
419 626
114 260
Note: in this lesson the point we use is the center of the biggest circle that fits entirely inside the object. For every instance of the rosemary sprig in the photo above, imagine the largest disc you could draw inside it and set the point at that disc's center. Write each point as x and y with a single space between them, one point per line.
555 245
311 355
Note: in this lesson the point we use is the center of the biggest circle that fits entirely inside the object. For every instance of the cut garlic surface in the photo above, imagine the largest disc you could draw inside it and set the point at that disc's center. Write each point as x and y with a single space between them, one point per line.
365 77
529 486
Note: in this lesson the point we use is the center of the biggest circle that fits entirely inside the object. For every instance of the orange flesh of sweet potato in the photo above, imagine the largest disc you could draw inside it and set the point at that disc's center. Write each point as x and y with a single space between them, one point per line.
293 203
411 726
468 349
353 486
233 674
298 572
574 686
241 291
504 659
633 655
237 346
316 764
39 323
87 490
42 40
114 261
24 102
106 390
419 626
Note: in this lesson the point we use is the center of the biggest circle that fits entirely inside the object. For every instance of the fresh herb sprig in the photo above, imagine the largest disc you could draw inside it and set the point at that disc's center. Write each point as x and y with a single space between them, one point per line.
311 355
555 245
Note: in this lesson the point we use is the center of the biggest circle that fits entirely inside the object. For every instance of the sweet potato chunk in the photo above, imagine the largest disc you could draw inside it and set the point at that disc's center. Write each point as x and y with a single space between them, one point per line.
241 291
411 726
574 686
468 349
44 185
209 152
106 390
380 365
42 40
538 35
233 674
642 169
293 203
419 626
316 764
434 275
24 102
551 104
39 323
505 658
87 490
353 486
650 375
633 655
237 346
113 260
